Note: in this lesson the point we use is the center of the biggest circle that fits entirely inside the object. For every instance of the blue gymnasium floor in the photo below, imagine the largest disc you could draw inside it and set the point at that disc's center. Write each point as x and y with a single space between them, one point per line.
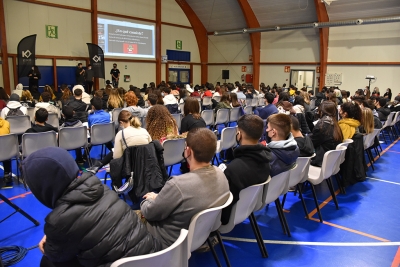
364 232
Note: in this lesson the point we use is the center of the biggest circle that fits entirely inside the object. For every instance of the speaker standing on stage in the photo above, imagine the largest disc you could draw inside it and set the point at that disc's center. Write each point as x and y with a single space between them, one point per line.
80 75
115 75
34 77
89 79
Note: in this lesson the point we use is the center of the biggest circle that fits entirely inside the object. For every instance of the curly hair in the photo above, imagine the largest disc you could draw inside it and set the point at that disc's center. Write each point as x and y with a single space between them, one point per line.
66 94
26 96
160 123
114 100
131 99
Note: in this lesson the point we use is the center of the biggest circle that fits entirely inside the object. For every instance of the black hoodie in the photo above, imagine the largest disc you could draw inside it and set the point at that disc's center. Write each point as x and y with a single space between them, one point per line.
249 167
305 145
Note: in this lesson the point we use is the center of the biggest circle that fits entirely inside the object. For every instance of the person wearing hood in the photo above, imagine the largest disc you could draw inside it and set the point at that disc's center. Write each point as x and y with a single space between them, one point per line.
13 107
131 102
170 101
282 145
46 97
251 163
89 225
326 134
304 143
187 87
285 107
18 89
69 118
351 119
85 96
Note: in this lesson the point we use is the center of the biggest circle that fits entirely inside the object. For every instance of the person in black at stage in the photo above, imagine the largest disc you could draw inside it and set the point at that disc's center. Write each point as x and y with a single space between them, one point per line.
89 77
34 77
115 75
80 75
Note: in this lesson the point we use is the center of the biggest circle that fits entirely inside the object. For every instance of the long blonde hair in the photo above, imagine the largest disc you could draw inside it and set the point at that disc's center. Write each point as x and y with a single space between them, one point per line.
26 96
305 96
367 121
114 100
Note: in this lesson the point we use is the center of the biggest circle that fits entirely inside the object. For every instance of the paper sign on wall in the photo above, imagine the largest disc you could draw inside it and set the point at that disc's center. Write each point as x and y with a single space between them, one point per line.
287 69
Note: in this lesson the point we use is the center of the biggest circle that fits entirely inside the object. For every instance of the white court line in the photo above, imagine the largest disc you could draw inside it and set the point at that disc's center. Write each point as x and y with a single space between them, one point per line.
328 244
385 181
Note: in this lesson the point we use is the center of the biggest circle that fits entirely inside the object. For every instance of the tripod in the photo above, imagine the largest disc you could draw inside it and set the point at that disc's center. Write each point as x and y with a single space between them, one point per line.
17 209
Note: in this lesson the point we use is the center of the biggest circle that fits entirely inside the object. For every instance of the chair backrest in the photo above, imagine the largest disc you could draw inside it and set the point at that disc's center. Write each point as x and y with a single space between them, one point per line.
31 113
304 172
72 137
208 116
248 102
248 110
254 101
261 101
207 101
394 117
222 116
32 142
329 164
114 115
312 104
19 124
297 174
182 107
174 255
369 140
102 133
9 146
340 160
52 119
241 210
278 185
234 114
178 119
389 120
143 121
217 98
173 149
203 223
228 139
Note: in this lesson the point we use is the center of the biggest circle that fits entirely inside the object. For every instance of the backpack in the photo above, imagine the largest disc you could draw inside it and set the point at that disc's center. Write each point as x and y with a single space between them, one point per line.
15 112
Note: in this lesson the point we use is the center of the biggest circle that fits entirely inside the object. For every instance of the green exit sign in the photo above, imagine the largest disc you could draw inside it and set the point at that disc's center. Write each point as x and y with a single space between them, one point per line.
178 44
52 31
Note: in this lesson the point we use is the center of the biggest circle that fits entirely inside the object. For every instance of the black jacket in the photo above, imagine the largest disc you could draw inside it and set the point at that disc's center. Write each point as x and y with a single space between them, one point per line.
90 222
303 123
383 113
79 108
40 129
188 123
147 164
305 145
354 167
249 167
322 138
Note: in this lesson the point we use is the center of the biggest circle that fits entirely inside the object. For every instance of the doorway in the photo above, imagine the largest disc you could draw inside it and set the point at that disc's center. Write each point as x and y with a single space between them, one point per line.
303 78
179 75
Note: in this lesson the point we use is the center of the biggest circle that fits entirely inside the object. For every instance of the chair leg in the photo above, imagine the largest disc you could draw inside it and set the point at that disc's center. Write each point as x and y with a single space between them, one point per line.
223 249
302 201
339 183
330 185
214 253
280 216
170 171
316 202
283 217
283 200
384 138
257 233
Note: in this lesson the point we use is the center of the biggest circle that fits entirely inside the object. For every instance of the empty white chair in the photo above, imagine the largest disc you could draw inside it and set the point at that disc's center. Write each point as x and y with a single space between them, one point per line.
243 209
227 141
234 114
207 101
317 175
53 120
248 102
369 140
254 101
71 138
248 110
173 149
208 117
19 124
178 119
222 117
32 142
261 101
114 116
174 255
202 224
102 133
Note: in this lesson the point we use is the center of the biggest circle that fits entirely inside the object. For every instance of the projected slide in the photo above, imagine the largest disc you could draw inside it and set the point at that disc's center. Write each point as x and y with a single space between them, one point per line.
126 39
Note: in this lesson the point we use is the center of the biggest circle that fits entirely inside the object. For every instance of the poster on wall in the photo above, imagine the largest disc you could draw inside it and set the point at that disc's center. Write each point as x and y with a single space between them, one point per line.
96 56
26 55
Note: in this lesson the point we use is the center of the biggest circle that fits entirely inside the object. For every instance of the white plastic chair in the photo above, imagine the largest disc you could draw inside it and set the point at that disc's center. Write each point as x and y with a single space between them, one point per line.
248 102
317 175
53 120
217 98
208 117
227 141
19 124
182 107
102 133
369 140
32 142
31 113
261 101
9 148
387 126
254 101
173 149
243 209
143 121
204 223
222 117
234 114
71 138
178 119
114 116
174 255
248 110
207 101
343 148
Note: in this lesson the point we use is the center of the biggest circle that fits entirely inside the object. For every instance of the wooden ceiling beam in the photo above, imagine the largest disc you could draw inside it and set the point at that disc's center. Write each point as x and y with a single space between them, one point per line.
322 16
4 51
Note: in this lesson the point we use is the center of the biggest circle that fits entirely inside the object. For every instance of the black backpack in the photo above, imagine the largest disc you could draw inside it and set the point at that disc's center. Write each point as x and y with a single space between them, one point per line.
15 112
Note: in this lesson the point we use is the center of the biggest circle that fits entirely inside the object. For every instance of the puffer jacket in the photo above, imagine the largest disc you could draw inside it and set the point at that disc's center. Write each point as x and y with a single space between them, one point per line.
80 108
284 155
112 232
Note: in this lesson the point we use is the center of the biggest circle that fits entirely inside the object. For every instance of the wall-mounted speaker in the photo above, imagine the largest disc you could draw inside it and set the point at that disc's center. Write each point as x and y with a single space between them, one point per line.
225 74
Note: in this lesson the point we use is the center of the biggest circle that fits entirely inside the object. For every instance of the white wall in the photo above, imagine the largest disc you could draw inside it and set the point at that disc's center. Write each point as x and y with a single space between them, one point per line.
138 8
196 74
172 13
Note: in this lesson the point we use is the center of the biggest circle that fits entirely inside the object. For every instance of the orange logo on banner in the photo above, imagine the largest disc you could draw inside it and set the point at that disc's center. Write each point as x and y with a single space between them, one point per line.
318 69
287 68
244 68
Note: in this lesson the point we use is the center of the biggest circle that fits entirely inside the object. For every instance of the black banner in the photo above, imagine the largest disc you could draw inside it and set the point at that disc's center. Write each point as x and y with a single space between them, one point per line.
26 55
96 56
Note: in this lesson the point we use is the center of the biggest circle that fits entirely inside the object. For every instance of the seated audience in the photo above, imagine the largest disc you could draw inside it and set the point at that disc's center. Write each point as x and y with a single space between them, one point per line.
268 109
114 100
47 105
85 96
88 224
69 119
78 106
7 179
240 93
170 101
299 105
351 119
304 143
192 117
223 103
160 124
251 163
388 94
66 96
205 186
27 99
13 107
283 146
326 134
47 88
40 125
367 121
234 101
131 102
208 92
383 112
